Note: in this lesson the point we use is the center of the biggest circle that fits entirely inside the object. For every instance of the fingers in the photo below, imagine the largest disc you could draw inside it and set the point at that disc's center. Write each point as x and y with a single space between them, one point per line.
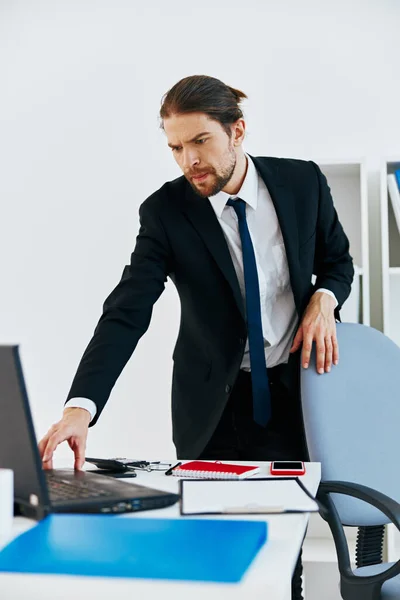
78 446
54 440
328 353
57 433
79 461
297 340
331 352
335 350
72 427
307 347
48 464
320 342
42 444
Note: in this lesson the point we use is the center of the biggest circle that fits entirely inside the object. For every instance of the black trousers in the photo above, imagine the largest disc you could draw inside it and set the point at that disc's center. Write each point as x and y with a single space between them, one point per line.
238 437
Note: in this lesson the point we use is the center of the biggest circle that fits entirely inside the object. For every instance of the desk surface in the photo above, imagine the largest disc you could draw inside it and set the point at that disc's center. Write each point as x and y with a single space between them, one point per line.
269 576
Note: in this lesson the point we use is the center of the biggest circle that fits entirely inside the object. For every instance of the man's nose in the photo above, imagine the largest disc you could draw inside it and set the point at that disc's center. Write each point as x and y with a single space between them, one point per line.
190 160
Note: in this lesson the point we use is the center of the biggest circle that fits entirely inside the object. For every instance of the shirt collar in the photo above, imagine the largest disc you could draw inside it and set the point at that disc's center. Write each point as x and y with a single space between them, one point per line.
248 191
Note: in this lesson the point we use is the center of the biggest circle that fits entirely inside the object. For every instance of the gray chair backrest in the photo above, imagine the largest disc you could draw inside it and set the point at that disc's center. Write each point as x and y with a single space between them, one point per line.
352 418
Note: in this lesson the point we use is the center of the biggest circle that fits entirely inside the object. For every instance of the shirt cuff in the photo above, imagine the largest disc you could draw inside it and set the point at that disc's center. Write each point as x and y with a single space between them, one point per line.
85 403
329 293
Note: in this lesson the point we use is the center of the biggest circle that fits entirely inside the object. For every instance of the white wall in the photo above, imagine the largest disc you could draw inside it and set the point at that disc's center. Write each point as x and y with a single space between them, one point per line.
80 149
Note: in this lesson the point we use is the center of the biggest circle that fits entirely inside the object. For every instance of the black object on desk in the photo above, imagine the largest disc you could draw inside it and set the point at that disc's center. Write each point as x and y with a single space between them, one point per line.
112 464
126 465
111 467
116 474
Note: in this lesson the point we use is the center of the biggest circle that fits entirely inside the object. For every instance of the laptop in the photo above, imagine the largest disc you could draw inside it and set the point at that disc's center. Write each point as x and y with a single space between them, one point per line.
38 492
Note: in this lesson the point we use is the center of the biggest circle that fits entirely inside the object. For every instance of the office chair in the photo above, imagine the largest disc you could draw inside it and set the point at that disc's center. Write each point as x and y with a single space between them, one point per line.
351 420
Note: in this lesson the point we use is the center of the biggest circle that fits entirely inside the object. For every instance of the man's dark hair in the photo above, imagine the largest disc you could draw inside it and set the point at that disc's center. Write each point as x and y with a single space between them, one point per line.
201 93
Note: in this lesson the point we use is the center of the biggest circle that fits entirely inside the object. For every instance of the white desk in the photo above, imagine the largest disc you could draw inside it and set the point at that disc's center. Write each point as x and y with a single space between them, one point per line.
269 576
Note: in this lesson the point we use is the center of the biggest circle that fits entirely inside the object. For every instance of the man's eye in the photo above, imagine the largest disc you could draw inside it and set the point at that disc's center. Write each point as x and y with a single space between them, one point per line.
197 142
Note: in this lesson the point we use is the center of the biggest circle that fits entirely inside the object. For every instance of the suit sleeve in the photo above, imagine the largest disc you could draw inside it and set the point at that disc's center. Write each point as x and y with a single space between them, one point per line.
126 313
333 265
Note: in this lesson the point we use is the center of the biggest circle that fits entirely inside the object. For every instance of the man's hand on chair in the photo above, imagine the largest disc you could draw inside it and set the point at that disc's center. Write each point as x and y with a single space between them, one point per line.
318 324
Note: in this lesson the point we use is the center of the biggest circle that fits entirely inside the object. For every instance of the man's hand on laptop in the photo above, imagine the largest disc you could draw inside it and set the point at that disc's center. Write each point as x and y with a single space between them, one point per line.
73 427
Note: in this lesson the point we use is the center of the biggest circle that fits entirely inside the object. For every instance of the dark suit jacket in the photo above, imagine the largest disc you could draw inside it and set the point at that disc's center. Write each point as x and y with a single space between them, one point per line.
180 237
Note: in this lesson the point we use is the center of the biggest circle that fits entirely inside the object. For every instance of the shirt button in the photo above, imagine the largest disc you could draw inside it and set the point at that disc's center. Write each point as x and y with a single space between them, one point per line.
228 389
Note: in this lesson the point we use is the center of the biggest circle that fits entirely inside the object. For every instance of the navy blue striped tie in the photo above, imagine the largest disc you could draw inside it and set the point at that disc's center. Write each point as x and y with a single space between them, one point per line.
259 374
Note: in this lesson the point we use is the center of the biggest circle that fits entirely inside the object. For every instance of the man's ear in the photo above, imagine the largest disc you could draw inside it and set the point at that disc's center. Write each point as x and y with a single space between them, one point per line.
238 131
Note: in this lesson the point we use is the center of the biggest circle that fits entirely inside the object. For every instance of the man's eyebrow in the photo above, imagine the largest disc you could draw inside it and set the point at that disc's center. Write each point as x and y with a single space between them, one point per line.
193 139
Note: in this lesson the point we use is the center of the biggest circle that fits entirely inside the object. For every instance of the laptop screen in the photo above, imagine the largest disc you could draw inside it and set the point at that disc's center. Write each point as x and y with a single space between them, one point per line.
18 446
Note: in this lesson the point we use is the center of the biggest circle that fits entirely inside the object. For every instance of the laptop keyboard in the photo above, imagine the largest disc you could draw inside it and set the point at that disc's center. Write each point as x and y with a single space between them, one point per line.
63 489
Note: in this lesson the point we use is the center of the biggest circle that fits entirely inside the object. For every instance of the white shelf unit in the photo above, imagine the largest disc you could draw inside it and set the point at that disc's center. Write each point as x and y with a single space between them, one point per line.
348 183
390 258
390 237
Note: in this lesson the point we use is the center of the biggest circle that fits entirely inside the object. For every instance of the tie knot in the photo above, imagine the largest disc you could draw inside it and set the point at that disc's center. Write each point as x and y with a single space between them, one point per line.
239 205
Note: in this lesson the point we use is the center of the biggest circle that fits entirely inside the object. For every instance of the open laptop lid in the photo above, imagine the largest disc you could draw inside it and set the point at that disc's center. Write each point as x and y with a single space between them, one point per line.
18 446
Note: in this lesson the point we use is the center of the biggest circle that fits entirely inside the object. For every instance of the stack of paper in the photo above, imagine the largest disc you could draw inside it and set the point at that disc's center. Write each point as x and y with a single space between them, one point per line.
245 496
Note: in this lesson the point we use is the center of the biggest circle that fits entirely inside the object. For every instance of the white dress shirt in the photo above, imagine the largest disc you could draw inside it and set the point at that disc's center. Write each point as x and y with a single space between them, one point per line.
278 311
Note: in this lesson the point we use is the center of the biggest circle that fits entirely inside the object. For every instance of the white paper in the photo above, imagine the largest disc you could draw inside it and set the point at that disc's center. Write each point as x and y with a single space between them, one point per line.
247 496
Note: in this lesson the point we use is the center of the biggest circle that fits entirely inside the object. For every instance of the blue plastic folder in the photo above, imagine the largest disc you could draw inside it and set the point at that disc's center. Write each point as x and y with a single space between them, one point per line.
108 546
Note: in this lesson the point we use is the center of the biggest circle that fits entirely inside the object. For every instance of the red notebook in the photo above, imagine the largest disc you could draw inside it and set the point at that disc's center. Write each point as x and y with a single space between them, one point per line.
214 470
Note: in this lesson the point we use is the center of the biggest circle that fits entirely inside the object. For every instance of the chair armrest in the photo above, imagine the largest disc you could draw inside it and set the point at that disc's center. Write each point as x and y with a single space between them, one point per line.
384 503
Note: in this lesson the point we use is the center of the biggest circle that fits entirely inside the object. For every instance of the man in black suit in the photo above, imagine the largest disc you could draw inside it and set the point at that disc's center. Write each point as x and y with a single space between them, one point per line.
240 237
189 233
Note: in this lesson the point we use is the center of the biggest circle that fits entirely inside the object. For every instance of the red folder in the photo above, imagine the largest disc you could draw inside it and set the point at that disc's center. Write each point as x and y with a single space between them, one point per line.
214 470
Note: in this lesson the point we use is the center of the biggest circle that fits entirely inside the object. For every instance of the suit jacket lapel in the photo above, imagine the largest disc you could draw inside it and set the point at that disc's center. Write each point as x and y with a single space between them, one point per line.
202 215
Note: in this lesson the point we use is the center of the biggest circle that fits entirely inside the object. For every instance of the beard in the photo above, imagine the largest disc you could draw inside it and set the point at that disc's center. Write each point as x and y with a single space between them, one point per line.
220 179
